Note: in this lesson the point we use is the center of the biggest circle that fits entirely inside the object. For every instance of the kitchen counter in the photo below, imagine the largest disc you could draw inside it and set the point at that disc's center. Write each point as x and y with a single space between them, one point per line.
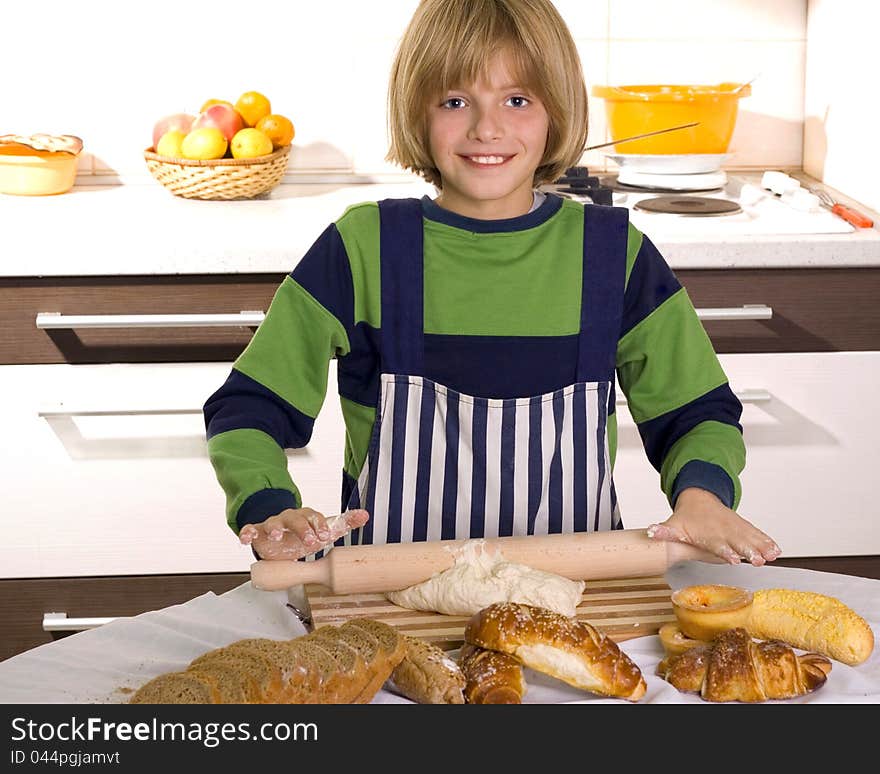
142 229
105 665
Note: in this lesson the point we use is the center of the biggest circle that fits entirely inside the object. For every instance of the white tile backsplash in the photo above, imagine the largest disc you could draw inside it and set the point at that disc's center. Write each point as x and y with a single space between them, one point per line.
112 69
842 112
587 19
708 20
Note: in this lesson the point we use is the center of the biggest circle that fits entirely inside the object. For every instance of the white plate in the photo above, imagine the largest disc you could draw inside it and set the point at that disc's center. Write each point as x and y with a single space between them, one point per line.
670 164
697 181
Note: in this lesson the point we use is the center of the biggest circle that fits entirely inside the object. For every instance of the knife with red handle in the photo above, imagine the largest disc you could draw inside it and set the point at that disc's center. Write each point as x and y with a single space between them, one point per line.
852 216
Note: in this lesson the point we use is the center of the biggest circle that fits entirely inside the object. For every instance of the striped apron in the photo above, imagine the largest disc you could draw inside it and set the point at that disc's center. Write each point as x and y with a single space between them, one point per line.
445 465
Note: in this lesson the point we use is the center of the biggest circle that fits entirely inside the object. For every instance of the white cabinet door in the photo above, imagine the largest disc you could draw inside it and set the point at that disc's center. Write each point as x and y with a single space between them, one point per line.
105 471
812 453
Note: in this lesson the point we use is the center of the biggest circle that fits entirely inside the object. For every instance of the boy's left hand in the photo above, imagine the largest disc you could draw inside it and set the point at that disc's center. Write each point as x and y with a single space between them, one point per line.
700 519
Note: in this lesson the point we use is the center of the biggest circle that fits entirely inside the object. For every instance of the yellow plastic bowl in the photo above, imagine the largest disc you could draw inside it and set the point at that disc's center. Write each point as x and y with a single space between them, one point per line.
36 173
633 110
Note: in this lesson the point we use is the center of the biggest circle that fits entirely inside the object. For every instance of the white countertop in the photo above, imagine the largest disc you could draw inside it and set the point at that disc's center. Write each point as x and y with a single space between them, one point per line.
105 665
141 228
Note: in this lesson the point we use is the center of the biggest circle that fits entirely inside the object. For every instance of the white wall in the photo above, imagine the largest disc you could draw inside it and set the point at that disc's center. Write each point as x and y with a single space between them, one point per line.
105 71
842 112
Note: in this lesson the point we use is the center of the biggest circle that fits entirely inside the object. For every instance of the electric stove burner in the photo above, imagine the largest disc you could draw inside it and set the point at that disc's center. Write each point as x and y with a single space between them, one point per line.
688 205
614 184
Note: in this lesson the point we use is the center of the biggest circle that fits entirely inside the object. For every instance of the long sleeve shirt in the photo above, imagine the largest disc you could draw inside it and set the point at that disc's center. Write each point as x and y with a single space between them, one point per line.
501 319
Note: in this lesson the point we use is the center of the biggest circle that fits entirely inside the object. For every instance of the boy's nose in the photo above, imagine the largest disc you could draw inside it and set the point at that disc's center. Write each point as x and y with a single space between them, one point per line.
486 126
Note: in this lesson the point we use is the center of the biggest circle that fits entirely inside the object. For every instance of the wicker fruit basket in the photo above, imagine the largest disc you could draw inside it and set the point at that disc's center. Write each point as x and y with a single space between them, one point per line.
219 178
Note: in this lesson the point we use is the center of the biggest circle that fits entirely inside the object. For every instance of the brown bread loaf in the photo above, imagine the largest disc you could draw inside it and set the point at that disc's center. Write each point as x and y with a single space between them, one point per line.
354 674
323 667
229 684
263 677
390 641
427 675
368 646
177 688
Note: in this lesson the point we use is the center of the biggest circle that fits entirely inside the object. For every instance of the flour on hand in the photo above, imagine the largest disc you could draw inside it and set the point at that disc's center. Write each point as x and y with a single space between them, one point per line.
479 578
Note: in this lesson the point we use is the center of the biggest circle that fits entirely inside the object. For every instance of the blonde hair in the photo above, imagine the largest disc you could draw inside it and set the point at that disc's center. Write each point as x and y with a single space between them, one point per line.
451 42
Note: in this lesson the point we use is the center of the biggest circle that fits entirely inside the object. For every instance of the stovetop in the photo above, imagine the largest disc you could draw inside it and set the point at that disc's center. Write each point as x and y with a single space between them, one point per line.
759 212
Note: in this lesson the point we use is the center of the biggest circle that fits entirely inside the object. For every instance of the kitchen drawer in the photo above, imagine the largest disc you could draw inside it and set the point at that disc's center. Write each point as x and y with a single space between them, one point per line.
814 310
23 603
177 340
811 453
105 471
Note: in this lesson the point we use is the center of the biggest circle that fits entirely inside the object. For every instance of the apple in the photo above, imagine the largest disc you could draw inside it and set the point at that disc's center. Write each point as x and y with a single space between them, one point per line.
223 117
180 121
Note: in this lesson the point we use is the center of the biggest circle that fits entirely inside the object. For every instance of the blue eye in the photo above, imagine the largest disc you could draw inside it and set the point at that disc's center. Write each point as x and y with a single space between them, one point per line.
518 102
453 103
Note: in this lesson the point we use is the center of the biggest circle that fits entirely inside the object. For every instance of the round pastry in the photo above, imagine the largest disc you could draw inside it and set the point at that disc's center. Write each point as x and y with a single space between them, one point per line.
675 641
706 610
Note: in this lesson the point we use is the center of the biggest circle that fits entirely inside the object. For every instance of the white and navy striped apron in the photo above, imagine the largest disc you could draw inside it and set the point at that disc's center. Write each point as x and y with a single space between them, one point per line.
445 465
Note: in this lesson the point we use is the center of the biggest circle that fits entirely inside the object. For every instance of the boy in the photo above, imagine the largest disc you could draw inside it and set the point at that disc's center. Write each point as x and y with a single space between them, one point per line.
477 334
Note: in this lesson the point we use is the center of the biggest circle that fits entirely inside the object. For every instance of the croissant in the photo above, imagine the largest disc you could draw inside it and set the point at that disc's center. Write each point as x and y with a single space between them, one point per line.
733 667
565 648
491 677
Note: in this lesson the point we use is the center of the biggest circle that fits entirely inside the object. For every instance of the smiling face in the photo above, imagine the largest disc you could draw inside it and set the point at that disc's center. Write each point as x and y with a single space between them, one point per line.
487 139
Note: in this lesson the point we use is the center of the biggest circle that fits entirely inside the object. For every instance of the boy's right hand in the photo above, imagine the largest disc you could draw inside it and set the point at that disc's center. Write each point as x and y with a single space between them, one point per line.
295 533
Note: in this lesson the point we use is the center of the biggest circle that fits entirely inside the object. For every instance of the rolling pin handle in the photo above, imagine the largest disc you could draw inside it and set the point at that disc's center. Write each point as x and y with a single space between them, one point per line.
682 552
276 575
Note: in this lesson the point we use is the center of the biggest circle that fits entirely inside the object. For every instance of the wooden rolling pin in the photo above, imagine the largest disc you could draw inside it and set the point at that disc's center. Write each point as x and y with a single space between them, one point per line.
628 553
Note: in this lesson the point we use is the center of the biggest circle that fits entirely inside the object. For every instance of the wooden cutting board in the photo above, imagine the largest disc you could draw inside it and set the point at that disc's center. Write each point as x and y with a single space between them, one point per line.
623 608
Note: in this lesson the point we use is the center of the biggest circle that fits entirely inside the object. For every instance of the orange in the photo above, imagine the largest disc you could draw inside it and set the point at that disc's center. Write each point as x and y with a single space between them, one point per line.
252 106
277 128
210 102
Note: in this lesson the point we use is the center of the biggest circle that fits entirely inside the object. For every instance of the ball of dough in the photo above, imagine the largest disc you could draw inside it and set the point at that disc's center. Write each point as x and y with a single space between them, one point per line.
479 578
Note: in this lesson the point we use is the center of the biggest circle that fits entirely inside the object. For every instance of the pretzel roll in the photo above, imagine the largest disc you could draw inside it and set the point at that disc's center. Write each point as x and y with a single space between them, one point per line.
491 677
569 650
706 610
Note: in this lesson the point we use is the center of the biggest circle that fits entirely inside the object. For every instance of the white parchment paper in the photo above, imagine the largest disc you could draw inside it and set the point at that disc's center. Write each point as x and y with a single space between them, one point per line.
105 665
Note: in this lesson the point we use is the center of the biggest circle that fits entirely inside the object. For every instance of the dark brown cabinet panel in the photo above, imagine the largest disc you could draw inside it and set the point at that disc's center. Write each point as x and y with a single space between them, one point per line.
23 602
21 299
814 310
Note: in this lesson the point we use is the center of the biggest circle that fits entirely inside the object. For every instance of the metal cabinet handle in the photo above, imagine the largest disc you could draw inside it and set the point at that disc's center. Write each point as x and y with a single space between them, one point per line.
55 320
59 622
753 396
745 396
59 412
745 312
